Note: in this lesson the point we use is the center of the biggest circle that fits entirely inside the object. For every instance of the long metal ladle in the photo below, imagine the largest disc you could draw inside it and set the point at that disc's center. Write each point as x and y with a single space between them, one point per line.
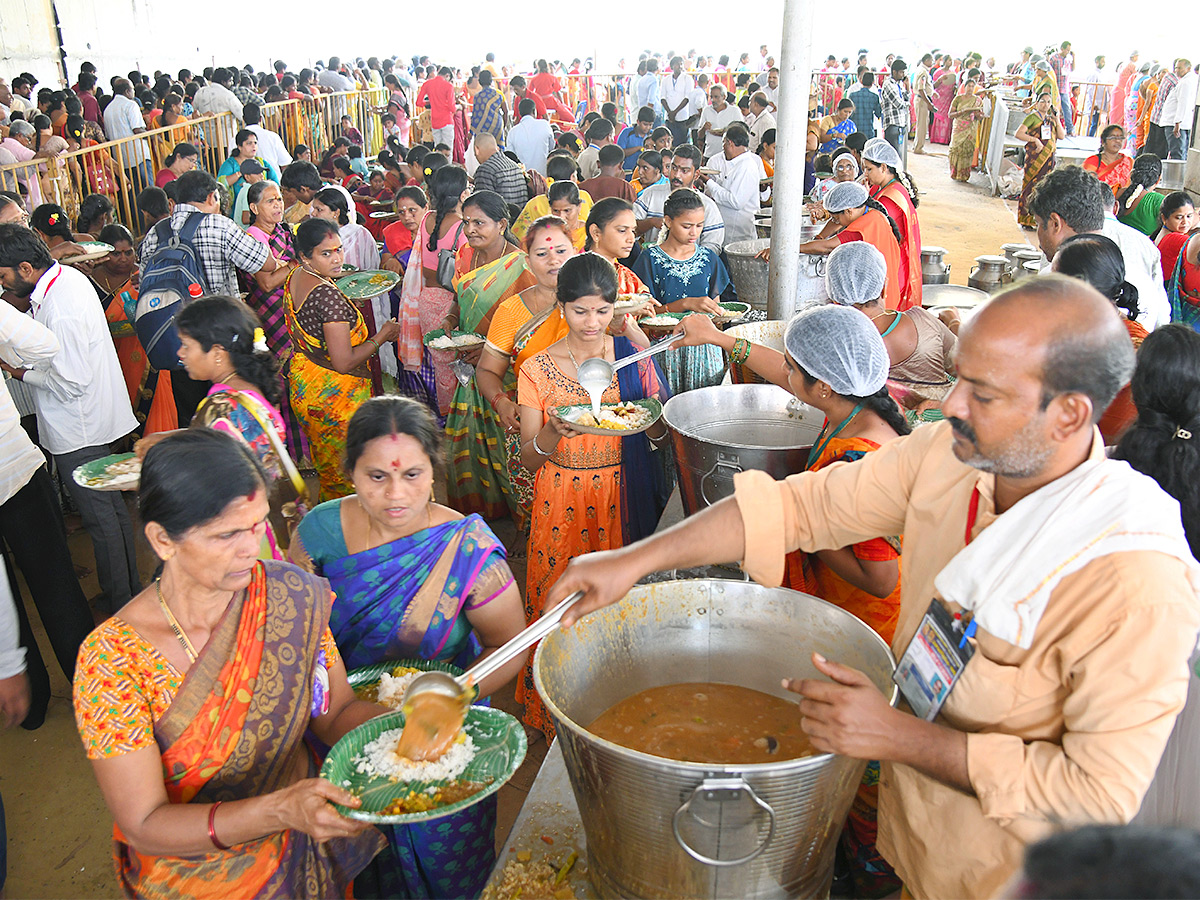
432 734
596 374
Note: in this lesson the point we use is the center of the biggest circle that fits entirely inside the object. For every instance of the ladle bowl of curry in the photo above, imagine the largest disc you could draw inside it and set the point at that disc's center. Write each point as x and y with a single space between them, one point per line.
685 754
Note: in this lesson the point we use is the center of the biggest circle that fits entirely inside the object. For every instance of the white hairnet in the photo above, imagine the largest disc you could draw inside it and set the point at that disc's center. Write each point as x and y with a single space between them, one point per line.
880 151
855 273
846 158
846 195
839 346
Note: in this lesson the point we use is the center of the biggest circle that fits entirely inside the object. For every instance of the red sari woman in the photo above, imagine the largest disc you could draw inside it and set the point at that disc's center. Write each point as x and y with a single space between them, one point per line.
896 192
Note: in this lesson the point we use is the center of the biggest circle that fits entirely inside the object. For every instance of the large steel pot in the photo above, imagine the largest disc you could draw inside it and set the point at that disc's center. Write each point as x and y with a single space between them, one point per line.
750 275
657 827
719 431
768 332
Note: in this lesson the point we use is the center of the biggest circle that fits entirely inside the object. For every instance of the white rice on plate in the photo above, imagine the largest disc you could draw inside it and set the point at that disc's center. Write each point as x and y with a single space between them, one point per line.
392 687
379 760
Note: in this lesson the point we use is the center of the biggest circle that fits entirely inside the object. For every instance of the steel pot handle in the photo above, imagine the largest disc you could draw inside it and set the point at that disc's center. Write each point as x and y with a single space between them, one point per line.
721 790
719 464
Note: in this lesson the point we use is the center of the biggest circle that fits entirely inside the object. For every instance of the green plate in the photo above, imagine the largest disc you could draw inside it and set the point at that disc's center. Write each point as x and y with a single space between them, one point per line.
563 412
369 676
362 285
731 311
500 749
94 475
441 332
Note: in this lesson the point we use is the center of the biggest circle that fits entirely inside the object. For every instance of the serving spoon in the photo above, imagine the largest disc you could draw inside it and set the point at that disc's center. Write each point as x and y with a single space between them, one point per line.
596 374
435 703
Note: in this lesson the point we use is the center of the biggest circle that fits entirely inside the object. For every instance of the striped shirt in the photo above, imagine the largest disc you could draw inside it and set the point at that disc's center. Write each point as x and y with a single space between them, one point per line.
894 101
650 203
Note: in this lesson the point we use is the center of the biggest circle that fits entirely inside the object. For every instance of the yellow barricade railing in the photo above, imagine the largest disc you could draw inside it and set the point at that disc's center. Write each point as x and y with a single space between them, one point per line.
120 169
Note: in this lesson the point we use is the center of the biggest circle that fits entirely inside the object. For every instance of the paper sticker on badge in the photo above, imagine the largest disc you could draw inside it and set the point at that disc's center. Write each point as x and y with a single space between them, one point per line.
934 660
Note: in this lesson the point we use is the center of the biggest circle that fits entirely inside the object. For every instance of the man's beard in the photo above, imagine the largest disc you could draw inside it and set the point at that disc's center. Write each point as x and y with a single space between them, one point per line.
22 289
1022 456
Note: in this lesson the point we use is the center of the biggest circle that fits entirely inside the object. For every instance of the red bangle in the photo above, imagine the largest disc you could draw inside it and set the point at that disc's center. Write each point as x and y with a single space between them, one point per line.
212 831
496 396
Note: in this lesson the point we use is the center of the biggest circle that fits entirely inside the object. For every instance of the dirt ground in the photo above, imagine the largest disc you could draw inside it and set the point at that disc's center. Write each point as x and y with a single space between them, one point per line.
59 830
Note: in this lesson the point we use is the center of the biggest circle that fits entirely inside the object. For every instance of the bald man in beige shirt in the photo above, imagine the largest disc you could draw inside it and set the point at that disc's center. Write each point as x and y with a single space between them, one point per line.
1058 728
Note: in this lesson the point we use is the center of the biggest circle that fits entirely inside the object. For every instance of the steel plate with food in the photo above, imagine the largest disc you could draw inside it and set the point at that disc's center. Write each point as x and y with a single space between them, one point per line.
730 311
627 302
455 340
92 251
119 472
395 790
625 418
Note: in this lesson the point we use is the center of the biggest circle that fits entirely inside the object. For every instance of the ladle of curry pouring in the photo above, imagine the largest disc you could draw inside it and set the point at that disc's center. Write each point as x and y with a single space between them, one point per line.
435 703
596 374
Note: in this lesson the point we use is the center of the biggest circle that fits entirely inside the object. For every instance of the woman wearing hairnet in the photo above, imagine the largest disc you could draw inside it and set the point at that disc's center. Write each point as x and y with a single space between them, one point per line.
919 345
836 361
854 216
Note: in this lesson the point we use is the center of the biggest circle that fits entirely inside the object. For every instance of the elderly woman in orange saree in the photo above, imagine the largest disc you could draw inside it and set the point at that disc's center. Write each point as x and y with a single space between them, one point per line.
193 710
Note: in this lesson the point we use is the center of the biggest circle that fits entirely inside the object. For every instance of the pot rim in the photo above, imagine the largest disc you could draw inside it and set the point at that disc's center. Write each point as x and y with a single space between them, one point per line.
700 769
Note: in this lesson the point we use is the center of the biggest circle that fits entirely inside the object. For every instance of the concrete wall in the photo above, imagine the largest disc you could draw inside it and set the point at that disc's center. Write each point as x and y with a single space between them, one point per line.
28 42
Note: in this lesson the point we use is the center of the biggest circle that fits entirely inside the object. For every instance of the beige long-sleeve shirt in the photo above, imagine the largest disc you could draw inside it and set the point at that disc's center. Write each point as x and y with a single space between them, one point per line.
1066 733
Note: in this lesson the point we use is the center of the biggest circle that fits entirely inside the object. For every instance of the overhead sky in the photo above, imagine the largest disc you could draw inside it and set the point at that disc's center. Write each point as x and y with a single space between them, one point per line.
169 34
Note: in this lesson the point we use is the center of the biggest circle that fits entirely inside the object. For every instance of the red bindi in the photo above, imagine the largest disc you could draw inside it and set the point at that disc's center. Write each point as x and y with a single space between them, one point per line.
395 464
549 240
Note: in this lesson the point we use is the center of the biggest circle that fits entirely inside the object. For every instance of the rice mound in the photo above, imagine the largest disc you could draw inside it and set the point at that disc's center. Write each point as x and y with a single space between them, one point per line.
392 686
380 760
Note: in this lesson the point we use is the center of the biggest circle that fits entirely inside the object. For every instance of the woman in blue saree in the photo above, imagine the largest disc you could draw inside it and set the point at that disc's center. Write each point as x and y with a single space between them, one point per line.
413 579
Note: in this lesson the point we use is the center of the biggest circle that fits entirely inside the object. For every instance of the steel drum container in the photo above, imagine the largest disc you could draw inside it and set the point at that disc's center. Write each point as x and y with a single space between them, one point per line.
749 275
719 431
658 827
769 333
933 270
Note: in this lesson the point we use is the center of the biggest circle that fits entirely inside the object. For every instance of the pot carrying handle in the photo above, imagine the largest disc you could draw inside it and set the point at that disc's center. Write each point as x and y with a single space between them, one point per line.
719 790
719 464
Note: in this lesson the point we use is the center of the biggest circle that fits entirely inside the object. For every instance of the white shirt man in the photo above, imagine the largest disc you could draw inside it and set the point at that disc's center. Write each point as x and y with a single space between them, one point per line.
24 343
122 119
80 393
717 116
532 140
1143 269
677 89
270 147
736 189
760 120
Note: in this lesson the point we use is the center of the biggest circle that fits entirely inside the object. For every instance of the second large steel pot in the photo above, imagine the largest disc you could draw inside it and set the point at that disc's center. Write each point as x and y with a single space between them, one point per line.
719 431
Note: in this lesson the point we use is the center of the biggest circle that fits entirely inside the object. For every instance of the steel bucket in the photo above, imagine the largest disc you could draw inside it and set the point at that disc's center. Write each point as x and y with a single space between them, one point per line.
719 431
749 275
768 332
664 828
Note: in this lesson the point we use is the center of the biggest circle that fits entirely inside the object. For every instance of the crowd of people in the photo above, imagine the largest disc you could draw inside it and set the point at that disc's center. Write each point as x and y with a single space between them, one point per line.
296 439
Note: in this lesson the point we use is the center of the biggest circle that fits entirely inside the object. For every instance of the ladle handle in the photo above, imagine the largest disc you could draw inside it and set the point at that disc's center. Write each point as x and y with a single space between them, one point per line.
520 642
649 351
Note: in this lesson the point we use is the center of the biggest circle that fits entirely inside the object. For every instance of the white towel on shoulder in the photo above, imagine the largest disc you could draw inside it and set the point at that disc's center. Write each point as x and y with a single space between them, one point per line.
1007 574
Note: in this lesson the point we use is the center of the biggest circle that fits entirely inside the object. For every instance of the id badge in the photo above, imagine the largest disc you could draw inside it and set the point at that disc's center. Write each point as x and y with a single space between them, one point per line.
934 660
